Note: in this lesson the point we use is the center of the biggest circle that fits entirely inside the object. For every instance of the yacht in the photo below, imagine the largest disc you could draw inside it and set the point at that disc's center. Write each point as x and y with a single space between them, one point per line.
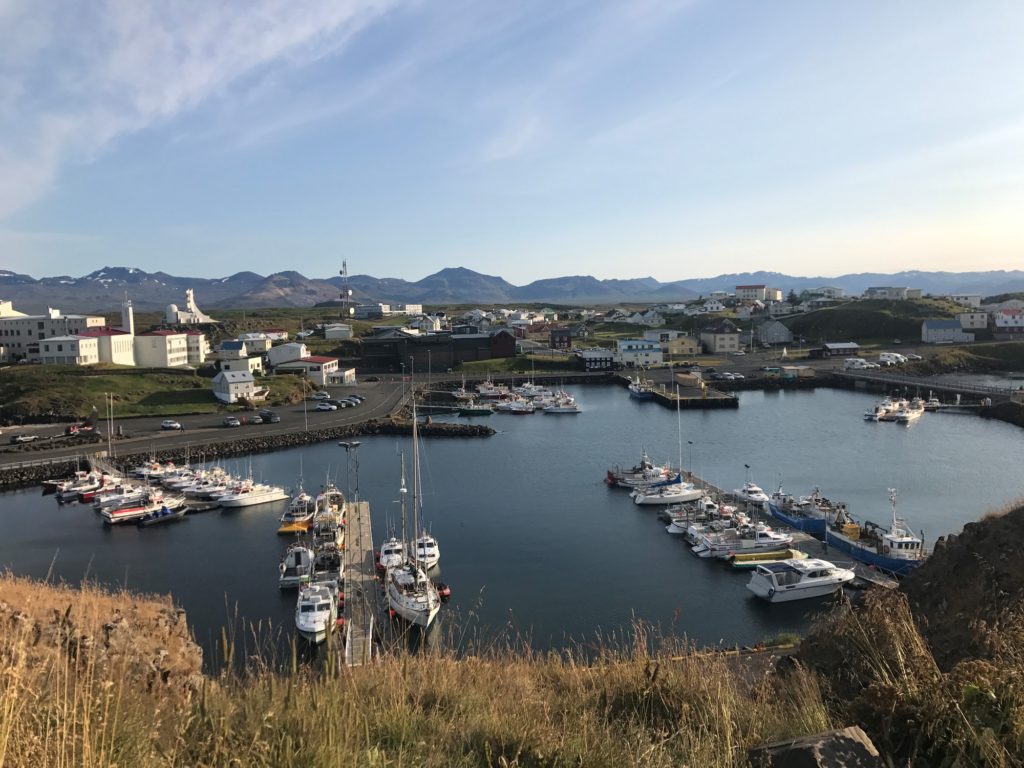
427 552
798 579
256 494
392 554
750 493
296 566
674 493
316 612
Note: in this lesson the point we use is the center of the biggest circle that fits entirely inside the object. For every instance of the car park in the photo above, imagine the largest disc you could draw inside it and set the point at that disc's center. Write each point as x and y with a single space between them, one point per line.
170 424
231 421
323 405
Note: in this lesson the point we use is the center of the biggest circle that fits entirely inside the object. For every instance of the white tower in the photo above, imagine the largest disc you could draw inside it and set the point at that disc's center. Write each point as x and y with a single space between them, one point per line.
127 316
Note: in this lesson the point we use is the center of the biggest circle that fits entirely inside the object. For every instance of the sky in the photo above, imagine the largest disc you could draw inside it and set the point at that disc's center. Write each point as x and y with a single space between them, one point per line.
533 139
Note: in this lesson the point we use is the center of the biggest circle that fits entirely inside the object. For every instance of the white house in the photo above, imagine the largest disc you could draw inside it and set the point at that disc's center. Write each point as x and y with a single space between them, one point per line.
286 353
944 330
113 345
198 347
276 334
973 320
69 350
337 331
161 349
22 333
256 343
638 352
426 324
1008 324
232 386
720 337
344 377
972 300
316 368
752 292
713 305
253 365
233 349
829 292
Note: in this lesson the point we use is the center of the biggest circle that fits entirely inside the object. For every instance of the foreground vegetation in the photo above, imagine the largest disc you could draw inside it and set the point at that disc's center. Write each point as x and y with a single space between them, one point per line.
934 673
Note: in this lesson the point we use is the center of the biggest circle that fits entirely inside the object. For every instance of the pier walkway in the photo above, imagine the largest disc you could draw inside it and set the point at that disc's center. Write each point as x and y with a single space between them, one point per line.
941 387
360 584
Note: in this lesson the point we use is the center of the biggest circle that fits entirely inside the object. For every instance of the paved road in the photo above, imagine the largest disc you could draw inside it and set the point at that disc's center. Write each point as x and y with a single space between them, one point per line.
142 433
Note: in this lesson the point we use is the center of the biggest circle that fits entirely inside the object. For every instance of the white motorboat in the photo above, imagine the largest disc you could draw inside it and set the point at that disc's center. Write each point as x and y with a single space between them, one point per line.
328 565
565 404
330 500
257 494
316 612
411 594
911 412
750 493
745 538
428 554
392 554
134 512
675 493
296 566
790 580
124 495
327 529
491 390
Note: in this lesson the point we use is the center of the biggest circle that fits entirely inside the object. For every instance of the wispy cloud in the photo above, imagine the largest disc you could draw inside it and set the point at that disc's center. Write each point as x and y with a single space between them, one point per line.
74 81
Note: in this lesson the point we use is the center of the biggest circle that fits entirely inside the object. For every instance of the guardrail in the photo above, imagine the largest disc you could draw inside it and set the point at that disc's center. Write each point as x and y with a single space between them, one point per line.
4 466
934 384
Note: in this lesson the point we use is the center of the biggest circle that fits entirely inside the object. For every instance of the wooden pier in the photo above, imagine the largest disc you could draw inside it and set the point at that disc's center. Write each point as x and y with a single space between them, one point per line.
361 600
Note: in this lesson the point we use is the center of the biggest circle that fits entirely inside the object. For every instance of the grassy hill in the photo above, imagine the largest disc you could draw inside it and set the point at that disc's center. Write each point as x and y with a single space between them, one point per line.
871 320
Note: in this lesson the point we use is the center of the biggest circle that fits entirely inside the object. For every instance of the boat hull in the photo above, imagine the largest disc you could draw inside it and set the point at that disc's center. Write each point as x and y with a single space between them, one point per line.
814 526
869 556
792 593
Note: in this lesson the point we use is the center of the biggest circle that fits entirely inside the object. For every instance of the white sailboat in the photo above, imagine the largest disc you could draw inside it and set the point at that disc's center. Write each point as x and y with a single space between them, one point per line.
411 594
392 551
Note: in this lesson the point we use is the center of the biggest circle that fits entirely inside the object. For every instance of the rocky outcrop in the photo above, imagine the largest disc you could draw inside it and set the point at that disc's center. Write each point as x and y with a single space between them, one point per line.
844 748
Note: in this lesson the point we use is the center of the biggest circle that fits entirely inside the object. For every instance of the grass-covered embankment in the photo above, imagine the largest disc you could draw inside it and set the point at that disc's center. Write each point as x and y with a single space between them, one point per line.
870 320
72 392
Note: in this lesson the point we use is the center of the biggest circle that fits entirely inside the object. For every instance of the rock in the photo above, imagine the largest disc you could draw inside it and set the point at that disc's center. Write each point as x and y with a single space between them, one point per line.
843 748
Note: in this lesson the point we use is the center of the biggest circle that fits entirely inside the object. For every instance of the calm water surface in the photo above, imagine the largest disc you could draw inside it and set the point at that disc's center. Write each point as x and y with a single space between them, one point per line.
532 541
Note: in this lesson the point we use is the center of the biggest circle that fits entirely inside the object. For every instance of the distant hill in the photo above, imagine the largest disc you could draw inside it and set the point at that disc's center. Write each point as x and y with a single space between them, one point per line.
104 289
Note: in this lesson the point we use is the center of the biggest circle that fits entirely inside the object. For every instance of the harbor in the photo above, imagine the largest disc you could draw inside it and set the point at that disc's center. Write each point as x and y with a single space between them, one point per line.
506 509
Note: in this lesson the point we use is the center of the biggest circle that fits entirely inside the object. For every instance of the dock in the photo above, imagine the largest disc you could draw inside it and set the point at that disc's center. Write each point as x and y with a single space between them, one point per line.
360 585
688 397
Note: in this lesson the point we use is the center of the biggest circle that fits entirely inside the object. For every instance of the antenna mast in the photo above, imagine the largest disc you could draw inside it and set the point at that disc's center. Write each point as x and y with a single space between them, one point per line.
347 304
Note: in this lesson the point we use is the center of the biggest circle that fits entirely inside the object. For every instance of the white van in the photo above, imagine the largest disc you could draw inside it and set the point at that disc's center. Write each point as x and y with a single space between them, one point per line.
891 358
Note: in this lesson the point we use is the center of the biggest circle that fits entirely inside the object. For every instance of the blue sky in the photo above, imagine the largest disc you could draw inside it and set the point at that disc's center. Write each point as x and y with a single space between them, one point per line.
528 139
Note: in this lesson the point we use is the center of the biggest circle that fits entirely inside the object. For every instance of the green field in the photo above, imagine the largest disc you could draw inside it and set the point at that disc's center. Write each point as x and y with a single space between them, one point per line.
870 321
64 391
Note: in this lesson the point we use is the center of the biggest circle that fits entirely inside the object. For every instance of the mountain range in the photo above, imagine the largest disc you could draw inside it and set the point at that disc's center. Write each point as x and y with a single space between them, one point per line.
104 289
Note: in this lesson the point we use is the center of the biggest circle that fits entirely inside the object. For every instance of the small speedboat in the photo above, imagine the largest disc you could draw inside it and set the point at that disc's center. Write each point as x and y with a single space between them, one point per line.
790 580
163 515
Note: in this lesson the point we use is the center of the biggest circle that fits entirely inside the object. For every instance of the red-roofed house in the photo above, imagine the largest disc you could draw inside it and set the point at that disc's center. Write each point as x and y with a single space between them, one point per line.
1008 324
113 345
316 368
161 349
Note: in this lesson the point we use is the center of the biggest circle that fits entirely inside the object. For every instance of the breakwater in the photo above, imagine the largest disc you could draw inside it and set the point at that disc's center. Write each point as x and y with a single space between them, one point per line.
25 476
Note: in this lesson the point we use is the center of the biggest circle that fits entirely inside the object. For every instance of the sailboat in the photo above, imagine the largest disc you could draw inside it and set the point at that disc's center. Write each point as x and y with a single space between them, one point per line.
411 594
392 551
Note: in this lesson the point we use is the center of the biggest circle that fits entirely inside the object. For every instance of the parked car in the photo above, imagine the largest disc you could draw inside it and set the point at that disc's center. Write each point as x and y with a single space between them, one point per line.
738 376
338 403
739 352
232 421
323 405
360 398
323 394
24 439
912 356
170 424
269 417
353 401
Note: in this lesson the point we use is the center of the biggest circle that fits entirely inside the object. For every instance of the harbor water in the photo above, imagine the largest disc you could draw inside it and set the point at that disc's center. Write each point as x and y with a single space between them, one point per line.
533 543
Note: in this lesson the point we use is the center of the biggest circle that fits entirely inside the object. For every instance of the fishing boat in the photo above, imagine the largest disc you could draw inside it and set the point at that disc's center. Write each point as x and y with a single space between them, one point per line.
316 612
932 403
299 515
911 412
896 550
473 408
327 529
795 579
563 404
747 560
639 474
295 567
809 514
743 539
133 512
328 565
641 389
411 595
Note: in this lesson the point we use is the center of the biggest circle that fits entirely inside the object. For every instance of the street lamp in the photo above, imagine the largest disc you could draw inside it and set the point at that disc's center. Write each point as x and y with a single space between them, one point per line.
689 456
403 381
352 457
428 370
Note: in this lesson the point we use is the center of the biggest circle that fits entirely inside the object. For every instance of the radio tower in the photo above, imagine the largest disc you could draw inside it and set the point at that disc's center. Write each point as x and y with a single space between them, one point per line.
348 308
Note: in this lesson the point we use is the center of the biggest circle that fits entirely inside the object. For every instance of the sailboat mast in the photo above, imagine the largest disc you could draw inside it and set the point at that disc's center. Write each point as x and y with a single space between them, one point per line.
402 494
415 472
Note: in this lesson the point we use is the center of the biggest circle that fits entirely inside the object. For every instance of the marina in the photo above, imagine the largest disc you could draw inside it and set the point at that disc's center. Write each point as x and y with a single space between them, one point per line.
504 508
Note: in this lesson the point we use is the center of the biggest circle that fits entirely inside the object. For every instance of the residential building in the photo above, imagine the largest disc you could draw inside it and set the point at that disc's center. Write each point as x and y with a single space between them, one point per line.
720 337
232 386
752 292
161 349
233 349
276 334
1008 324
5 356
972 300
713 305
286 353
892 293
560 338
343 377
829 292
597 359
649 318
317 368
840 349
198 347
69 350
773 332
21 333
638 353
407 309
253 365
973 320
773 294
779 308
674 344
933 331
256 343
339 331
371 311
113 345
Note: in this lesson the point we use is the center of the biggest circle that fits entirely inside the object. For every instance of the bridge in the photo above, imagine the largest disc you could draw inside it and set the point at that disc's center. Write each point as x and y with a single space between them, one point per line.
926 384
